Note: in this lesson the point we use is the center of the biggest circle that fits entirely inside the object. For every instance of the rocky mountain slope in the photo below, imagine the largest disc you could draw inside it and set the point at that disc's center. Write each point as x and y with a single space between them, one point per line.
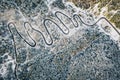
55 40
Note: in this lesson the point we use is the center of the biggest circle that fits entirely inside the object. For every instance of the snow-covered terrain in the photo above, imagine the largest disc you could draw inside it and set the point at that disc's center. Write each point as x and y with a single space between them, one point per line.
55 40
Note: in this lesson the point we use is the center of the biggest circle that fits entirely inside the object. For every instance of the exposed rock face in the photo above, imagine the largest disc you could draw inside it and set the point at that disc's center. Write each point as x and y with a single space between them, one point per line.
112 8
45 40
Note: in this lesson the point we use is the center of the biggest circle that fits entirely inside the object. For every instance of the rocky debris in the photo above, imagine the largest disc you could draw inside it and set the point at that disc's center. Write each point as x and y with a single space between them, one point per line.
59 3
